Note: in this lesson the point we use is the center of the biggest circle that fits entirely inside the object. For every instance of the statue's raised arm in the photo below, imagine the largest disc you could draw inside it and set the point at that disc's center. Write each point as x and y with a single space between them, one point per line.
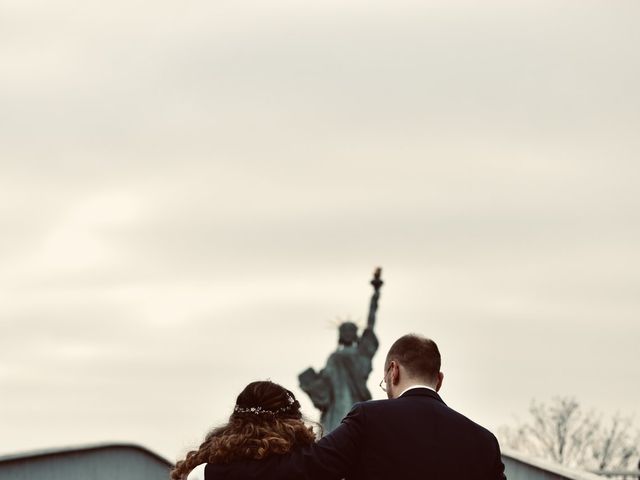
373 306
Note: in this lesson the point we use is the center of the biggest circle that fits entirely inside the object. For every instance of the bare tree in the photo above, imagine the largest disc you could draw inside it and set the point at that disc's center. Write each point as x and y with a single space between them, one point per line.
615 448
562 432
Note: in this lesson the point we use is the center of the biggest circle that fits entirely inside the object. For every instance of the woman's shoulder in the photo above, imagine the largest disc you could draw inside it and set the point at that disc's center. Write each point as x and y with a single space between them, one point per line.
197 473
237 469
281 467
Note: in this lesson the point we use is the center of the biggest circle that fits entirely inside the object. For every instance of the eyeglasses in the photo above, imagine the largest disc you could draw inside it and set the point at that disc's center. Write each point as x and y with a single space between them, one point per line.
382 387
384 379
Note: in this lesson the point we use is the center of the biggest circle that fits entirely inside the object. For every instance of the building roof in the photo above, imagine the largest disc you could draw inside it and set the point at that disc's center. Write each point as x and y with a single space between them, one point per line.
549 466
50 452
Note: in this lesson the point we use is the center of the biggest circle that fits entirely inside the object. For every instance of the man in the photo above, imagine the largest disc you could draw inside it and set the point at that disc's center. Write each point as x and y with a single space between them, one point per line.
413 435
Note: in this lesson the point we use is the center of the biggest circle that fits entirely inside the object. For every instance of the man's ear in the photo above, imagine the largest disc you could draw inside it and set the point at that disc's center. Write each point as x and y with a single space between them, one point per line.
395 372
439 382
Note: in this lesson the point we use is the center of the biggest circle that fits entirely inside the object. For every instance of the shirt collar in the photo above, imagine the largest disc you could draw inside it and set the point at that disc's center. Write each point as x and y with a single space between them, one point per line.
416 386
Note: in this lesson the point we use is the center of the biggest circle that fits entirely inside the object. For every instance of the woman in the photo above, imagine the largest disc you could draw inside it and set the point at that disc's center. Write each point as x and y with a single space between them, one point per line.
266 421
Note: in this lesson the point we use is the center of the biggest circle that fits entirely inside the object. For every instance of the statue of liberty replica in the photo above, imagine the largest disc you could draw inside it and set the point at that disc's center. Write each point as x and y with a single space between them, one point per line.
343 381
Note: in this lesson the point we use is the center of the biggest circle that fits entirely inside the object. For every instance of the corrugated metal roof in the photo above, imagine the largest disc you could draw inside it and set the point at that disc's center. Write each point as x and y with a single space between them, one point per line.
79 449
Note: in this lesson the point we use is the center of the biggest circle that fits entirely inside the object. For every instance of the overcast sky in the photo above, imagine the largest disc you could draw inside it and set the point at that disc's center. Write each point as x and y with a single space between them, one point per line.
191 193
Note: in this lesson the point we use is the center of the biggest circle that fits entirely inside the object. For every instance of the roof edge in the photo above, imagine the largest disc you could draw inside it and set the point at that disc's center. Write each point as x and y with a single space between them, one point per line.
82 448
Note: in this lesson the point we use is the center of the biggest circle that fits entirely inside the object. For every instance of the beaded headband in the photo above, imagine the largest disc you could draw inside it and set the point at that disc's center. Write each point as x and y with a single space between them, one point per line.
292 403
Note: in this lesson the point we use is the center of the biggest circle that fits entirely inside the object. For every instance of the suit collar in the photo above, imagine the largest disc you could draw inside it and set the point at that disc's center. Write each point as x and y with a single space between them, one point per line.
421 392
417 386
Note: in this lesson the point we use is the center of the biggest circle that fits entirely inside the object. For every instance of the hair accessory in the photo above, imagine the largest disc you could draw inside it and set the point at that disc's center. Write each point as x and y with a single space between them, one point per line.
292 403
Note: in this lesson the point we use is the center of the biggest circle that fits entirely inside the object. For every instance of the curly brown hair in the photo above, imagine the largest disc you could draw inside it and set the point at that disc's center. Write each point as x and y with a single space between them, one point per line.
266 421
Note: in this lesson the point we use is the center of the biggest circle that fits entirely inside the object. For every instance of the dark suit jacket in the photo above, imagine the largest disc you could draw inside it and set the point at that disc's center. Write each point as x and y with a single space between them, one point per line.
415 436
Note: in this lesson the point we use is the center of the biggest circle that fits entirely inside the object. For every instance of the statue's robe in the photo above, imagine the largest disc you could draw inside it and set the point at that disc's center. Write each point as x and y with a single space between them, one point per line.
343 381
